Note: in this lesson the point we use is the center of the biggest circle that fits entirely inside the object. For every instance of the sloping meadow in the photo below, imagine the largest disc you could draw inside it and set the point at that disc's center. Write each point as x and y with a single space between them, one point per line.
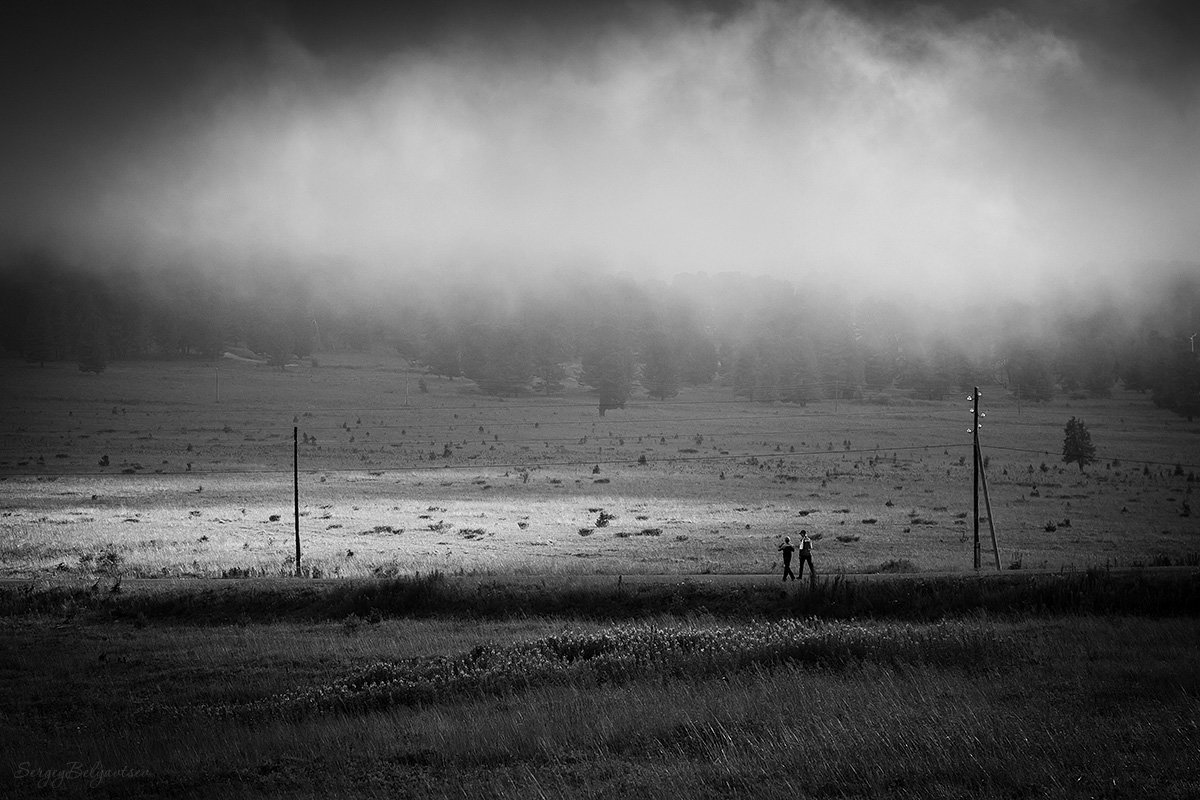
663 707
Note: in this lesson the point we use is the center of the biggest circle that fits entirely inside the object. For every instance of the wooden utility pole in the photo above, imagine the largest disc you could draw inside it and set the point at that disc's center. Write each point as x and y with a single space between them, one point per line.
296 490
975 459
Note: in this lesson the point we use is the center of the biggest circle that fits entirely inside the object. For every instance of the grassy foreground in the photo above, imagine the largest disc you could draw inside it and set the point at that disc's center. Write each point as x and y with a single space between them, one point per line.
437 688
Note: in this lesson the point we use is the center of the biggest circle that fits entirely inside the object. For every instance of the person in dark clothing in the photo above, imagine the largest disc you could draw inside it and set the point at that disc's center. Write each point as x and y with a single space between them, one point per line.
787 548
806 556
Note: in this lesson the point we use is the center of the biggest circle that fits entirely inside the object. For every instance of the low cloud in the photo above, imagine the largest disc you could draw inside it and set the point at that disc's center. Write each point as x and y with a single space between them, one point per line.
908 152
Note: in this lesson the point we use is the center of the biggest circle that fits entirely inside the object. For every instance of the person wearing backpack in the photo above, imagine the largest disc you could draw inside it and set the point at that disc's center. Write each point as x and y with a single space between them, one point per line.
806 556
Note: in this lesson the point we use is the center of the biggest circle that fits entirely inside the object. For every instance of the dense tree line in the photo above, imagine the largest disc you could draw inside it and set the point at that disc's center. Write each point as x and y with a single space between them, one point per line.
763 339
53 313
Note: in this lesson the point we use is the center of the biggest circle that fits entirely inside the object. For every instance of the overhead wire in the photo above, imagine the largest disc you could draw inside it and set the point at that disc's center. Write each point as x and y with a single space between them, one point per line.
476 465
491 425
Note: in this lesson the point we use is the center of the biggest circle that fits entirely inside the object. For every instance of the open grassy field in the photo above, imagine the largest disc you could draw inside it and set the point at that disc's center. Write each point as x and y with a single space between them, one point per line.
520 665
197 477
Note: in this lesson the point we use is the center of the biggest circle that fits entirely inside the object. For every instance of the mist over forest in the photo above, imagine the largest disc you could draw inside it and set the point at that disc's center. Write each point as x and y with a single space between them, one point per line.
789 199
761 338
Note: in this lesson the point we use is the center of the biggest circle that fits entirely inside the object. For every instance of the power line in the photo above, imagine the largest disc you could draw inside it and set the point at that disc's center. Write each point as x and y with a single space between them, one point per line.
590 402
927 423
1099 457
432 467
880 454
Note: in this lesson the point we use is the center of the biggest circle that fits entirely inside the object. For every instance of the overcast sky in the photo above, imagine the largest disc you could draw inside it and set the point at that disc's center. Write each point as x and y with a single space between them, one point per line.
913 146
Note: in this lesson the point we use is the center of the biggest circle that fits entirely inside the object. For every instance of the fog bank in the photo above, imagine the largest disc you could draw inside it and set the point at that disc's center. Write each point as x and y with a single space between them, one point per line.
1000 151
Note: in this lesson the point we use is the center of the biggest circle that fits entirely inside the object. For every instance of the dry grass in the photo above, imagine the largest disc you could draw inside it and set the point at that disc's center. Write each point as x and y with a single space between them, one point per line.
1062 707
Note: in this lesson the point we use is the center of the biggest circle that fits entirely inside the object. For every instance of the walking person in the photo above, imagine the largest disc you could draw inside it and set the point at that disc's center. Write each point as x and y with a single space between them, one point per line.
806 556
787 548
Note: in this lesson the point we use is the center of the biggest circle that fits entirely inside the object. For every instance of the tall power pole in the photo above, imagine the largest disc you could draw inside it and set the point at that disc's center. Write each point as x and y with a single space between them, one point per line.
975 461
296 491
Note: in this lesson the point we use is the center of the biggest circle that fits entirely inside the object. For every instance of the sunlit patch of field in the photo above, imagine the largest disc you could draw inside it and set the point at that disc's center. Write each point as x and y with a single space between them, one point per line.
394 481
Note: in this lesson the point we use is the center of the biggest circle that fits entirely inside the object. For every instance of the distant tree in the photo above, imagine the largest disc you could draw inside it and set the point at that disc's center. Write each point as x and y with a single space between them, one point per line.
1088 349
951 368
497 358
608 366
1176 384
1099 382
841 357
356 333
1139 361
129 330
165 332
760 371
929 378
798 370
547 352
92 347
267 335
1030 374
127 314
699 360
881 366
743 371
660 368
1077 444
692 351
441 350
37 337
1087 368
199 326
775 369
549 376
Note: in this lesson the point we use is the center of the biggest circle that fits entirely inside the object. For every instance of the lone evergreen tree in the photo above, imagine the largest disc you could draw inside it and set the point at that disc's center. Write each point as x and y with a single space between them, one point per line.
1077 444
